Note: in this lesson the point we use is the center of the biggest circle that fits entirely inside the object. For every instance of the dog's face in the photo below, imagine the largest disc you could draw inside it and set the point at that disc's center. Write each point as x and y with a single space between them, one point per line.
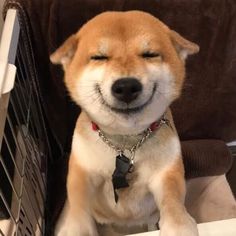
124 69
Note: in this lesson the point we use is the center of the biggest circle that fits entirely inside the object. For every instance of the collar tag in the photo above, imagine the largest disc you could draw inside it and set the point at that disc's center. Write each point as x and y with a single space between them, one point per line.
123 166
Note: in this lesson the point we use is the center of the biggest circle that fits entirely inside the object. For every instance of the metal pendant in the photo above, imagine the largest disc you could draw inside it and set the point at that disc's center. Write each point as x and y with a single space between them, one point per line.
123 167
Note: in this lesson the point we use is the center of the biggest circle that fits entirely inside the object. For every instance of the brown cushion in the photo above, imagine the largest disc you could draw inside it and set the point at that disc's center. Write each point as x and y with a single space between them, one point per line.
205 157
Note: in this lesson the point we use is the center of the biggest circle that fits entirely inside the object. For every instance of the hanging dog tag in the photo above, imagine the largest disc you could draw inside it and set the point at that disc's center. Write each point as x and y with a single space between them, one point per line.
119 180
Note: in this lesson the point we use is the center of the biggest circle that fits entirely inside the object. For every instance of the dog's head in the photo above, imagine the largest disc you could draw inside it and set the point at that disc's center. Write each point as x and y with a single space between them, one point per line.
124 69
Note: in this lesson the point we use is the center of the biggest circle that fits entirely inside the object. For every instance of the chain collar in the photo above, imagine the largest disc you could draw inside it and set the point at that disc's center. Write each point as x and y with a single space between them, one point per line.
145 135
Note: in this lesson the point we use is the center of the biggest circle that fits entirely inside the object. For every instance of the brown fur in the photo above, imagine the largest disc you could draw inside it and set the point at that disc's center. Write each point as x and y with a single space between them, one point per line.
125 59
174 190
158 175
81 195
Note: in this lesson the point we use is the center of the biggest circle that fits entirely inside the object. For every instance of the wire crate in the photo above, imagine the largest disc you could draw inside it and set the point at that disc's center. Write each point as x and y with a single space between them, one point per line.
24 143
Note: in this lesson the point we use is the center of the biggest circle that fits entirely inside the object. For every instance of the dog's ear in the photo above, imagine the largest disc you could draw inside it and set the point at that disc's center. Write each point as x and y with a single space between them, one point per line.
182 45
65 52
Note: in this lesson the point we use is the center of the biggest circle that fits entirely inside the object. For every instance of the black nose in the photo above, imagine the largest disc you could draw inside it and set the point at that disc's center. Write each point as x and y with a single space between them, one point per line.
126 89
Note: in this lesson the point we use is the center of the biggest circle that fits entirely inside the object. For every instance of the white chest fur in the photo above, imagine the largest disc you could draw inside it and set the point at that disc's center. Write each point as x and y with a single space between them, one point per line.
99 160
96 156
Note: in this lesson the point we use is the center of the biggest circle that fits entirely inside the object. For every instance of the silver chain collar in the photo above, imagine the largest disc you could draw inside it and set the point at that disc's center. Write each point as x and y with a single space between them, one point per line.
132 150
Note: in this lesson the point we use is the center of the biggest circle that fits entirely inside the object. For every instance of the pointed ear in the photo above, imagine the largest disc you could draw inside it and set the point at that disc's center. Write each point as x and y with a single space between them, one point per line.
182 45
65 52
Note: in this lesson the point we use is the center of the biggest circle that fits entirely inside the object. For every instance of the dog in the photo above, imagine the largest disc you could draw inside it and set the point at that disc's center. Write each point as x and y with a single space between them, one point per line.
124 69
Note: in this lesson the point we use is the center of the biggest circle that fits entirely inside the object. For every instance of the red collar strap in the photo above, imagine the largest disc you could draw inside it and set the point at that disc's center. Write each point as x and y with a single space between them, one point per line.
155 125
94 126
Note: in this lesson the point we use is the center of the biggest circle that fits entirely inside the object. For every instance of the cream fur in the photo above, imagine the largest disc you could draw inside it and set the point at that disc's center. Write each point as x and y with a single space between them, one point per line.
157 185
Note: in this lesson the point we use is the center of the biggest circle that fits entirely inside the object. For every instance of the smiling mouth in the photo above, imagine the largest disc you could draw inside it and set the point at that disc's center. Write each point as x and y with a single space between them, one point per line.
127 110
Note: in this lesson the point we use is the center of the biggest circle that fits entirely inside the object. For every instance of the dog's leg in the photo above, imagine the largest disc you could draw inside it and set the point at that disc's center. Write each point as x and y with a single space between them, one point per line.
168 189
76 219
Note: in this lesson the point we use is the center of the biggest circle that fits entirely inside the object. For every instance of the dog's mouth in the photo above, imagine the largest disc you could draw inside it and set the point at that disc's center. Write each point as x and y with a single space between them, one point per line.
127 110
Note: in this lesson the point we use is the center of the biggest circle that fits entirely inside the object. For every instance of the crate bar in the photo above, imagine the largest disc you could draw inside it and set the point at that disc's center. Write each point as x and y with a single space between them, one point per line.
31 72
8 48
27 144
7 207
25 136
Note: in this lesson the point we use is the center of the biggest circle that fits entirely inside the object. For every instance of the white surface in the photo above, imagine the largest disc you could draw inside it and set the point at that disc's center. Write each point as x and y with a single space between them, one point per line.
8 47
216 228
10 36
7 227
1 18
233 143
8 72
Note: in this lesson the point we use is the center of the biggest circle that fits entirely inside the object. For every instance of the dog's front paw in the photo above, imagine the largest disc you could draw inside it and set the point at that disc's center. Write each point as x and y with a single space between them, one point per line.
70 226
69 230
75 229
185 225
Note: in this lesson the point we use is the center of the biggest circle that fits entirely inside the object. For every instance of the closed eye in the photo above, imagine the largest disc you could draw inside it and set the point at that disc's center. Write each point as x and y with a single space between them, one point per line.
99 57
150 54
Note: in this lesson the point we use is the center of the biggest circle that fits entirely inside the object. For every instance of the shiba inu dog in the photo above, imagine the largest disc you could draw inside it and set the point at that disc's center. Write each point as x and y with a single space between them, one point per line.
124 69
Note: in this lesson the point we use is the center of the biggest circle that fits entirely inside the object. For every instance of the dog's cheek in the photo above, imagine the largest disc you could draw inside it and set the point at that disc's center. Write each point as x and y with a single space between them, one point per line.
177 68
175 82
83 85
71 80
163 76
